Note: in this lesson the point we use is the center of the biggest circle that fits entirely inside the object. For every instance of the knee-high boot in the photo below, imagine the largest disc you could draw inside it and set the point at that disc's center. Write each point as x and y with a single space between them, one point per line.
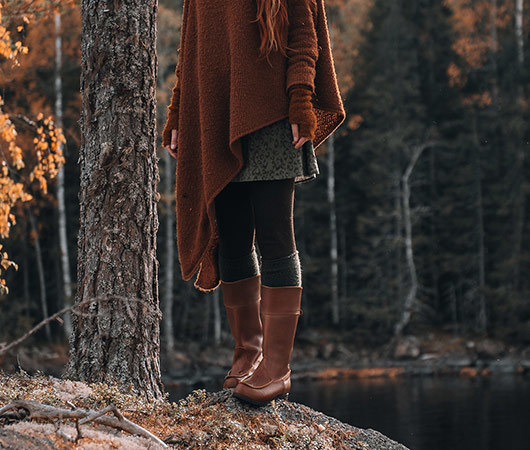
242 302
280 309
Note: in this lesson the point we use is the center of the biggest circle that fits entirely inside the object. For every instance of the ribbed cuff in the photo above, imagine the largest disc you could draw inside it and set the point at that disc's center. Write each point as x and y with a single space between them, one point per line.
301 112
286 271
239 268
171 124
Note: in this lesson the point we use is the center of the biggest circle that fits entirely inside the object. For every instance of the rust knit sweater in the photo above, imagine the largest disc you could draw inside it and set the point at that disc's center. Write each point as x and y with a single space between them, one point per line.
223 92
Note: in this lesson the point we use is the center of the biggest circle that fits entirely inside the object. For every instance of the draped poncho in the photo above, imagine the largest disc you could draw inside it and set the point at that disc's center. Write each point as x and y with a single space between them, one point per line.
225 91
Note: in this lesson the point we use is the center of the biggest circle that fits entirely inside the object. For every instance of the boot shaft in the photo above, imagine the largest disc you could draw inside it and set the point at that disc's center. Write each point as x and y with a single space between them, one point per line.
280 310
242 301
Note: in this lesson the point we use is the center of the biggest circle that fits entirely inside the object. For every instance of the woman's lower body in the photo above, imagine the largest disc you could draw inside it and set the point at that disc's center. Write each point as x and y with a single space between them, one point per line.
262 300
258 212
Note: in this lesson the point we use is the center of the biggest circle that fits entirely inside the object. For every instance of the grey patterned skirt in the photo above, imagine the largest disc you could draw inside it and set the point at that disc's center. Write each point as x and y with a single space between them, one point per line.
269 154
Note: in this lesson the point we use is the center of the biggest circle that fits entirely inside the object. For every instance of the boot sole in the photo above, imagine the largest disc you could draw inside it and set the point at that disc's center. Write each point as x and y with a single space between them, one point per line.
256 403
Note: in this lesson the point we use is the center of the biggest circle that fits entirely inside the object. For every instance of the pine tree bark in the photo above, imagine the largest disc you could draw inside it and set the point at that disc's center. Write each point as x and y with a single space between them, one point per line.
116 338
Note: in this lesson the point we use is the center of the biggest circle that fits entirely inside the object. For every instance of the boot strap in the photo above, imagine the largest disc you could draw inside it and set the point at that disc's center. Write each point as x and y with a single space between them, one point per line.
272 380
246 305
297 313
253 366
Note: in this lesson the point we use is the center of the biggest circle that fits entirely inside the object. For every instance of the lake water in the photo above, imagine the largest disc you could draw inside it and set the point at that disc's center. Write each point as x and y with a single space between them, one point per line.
424 413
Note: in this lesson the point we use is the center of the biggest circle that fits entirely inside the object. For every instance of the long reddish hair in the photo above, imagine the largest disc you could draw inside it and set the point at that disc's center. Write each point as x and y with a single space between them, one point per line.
272 21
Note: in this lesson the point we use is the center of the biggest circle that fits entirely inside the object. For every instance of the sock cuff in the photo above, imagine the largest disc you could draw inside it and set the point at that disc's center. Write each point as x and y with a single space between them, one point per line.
233 269
284 271
283 258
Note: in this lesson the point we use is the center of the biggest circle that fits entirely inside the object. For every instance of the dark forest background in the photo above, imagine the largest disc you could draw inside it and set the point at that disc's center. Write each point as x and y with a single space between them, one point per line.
419 219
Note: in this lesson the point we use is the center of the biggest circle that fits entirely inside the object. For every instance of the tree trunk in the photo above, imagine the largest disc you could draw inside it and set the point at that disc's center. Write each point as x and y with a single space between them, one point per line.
409 254
61 204
216 318
343 262
398 237
477 173
170 255
184 308
494 49
454 311
335 306
433 232
116 337
206 323
520 201
40 271
519 30
25 278
334 278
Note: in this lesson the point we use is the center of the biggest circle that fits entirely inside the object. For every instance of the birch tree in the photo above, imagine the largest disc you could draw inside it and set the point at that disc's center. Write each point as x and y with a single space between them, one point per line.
61 204
410 299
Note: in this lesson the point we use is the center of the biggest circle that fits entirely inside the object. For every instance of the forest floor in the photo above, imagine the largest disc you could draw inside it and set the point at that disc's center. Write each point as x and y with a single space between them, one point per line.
38 419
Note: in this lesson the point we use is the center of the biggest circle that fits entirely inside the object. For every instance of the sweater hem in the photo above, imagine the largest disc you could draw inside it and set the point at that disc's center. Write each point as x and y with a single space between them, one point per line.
214 236
212 242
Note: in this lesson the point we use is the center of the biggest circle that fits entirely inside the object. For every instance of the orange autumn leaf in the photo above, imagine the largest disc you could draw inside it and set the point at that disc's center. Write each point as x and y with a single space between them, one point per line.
14 185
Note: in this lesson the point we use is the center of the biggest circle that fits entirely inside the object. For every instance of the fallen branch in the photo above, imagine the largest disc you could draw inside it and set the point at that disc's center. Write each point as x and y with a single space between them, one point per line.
29 409
74 309
6 348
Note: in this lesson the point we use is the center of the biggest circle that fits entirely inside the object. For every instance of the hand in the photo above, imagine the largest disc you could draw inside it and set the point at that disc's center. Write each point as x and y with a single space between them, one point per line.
298 141
172 147
301 114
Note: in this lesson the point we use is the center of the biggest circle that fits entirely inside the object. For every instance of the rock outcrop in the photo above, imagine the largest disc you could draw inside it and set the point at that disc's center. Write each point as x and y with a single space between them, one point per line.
201 420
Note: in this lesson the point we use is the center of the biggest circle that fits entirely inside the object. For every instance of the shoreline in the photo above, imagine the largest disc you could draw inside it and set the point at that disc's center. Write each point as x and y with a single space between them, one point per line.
318 355
384 369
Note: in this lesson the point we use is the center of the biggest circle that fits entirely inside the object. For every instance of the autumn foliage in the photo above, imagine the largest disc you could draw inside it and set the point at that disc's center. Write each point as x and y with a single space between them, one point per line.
17 175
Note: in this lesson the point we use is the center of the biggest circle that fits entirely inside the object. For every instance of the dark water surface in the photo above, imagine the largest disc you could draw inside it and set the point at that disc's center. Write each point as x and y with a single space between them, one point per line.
425 413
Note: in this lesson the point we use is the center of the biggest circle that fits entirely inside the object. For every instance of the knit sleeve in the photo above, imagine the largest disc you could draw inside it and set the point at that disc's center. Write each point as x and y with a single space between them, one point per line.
173 106
302 43
172 109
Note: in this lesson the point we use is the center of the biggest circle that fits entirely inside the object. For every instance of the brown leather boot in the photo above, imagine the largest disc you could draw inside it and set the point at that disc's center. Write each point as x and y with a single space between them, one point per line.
280 309
242 302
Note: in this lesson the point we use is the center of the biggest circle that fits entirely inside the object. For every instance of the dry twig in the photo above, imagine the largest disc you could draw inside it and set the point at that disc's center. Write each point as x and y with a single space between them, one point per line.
75 309
29 409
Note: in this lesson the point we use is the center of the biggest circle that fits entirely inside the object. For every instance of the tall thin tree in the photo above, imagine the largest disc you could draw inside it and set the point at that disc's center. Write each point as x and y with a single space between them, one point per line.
410 299
334 253
520 201
170 255
61 203
40 271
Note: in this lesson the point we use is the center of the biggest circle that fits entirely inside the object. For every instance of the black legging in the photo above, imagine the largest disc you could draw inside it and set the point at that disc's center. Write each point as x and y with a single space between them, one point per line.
264 209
